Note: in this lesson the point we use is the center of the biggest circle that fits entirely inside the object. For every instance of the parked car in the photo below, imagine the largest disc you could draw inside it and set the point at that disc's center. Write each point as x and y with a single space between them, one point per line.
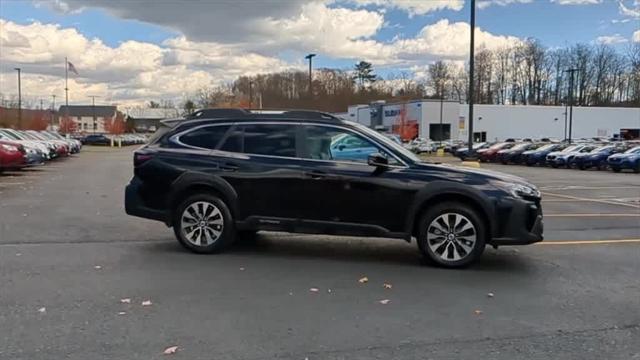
490 154
630 159
514 155
563 158
13 135
595 158
422 145
463 152
539 155
96 139
280 172
12 155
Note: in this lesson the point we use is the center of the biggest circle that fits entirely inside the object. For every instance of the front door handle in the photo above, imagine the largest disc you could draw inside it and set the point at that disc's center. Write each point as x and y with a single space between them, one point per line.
229 167
317 175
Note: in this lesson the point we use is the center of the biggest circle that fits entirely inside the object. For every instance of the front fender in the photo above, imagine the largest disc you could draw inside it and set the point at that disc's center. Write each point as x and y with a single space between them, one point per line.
437 190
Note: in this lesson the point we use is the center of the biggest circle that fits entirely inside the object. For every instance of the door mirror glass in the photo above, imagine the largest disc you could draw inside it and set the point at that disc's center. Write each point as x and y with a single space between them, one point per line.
377 160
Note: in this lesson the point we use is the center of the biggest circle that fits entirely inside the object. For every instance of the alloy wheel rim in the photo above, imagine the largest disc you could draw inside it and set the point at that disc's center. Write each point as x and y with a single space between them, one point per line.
451 237
202 223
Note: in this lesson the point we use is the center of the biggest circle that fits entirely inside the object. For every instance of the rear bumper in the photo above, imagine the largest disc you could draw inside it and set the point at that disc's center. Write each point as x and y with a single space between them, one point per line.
134 204
521 223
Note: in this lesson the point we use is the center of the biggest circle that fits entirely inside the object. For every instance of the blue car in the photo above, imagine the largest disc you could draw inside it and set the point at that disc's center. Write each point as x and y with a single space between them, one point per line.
595 158
565 157
539 155
351 148
630 159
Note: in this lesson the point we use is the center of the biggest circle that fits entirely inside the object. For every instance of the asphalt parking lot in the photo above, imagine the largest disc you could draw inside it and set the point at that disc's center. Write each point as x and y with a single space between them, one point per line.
70 258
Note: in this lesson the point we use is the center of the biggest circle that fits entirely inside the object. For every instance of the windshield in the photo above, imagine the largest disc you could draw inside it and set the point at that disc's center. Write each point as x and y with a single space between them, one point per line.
633 150
547 147
521 146
478 145
386 141
572 148
601 148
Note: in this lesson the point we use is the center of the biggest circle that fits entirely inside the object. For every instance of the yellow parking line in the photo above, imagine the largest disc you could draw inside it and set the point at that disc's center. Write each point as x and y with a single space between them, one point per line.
591 200
591 215
589 242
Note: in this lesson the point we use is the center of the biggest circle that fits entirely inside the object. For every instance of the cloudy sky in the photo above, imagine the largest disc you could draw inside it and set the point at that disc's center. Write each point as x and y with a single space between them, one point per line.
132 51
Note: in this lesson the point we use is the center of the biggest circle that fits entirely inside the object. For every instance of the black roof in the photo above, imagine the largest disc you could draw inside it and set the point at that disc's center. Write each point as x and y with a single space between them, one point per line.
87 110
206 115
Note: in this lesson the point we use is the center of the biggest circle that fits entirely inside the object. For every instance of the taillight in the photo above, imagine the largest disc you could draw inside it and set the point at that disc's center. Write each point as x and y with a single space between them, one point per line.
141 158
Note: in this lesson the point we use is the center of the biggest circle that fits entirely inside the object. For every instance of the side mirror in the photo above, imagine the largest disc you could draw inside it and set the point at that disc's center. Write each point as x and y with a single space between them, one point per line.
377 160
341 147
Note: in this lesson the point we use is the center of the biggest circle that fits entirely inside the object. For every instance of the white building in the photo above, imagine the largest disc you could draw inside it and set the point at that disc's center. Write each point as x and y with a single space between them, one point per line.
498 122
88 118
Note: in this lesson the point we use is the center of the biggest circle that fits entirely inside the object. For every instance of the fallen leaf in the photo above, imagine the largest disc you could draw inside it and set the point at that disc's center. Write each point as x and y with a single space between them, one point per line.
24 215
97 267
42 310
241 269
18 254
363 280
170 350
328 290
478 312
385 301
122 313
387 286
490 295
125 301
146 303
314 290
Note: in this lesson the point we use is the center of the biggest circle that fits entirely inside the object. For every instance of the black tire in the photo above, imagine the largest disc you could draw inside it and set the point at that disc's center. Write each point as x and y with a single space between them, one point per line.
554 165
616 169
431 255
225 238
637 168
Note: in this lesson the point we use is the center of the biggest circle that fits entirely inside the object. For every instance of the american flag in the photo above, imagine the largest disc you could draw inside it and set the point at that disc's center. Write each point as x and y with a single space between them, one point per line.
72 68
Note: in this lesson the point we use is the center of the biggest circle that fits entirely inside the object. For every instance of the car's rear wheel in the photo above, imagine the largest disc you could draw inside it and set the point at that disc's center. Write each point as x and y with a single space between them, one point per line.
451 235
203 224
615 168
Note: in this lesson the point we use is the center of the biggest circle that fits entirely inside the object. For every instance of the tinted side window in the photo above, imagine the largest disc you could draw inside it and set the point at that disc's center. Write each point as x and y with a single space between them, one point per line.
234 140
266 139
328 143
207 137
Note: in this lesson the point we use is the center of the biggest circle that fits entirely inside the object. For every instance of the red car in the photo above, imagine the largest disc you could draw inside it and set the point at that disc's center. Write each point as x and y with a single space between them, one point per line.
12 155
489 155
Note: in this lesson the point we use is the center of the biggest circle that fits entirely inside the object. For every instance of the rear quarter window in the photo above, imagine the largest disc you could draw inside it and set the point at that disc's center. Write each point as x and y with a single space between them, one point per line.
208 137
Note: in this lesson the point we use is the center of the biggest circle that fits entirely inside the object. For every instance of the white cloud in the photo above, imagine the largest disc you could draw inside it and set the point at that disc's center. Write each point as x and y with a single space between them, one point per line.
628 11
414 7
577 2
611 39
636 36
483 4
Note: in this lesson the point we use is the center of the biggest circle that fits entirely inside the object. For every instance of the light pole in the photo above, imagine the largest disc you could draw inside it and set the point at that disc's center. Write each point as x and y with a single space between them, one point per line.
53 108
471 65
571 72
93 110
441 104
309 57
19 98
250 95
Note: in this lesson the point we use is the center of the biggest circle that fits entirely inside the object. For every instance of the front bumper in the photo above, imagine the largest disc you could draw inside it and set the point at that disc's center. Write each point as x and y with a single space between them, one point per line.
520 223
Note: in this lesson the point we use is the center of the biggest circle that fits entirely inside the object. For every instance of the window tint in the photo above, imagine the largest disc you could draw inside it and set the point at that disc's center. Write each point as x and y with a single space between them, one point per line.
207 137
233 142
328 143
274 140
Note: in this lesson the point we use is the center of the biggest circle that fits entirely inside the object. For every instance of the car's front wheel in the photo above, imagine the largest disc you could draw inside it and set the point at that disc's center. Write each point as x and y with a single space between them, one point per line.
203 224
451 235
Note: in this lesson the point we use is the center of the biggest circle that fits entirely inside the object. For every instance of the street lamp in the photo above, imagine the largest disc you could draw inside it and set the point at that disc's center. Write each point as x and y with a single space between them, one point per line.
571 72
19 99
471 65
309 57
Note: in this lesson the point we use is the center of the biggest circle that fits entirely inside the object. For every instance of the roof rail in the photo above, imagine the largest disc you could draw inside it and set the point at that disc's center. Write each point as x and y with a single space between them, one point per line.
274 113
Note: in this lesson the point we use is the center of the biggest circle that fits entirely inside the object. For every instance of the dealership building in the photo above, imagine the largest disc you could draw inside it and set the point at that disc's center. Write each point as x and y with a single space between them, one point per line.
434 119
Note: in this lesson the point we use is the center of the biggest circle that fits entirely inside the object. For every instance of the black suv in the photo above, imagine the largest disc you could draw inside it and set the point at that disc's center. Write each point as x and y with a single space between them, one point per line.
216 176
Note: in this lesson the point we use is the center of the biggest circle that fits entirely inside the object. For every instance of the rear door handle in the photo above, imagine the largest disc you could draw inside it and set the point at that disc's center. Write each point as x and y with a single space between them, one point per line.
229 167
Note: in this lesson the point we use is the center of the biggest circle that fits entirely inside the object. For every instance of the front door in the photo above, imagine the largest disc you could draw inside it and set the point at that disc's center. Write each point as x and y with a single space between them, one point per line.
339 185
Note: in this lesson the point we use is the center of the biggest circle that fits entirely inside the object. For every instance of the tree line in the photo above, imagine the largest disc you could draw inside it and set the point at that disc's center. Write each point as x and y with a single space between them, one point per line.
523 74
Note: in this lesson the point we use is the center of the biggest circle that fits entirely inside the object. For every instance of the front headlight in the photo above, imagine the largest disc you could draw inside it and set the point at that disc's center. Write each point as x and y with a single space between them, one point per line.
523 191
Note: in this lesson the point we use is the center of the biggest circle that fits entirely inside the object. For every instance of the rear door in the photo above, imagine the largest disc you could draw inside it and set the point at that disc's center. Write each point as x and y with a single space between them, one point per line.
260 162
